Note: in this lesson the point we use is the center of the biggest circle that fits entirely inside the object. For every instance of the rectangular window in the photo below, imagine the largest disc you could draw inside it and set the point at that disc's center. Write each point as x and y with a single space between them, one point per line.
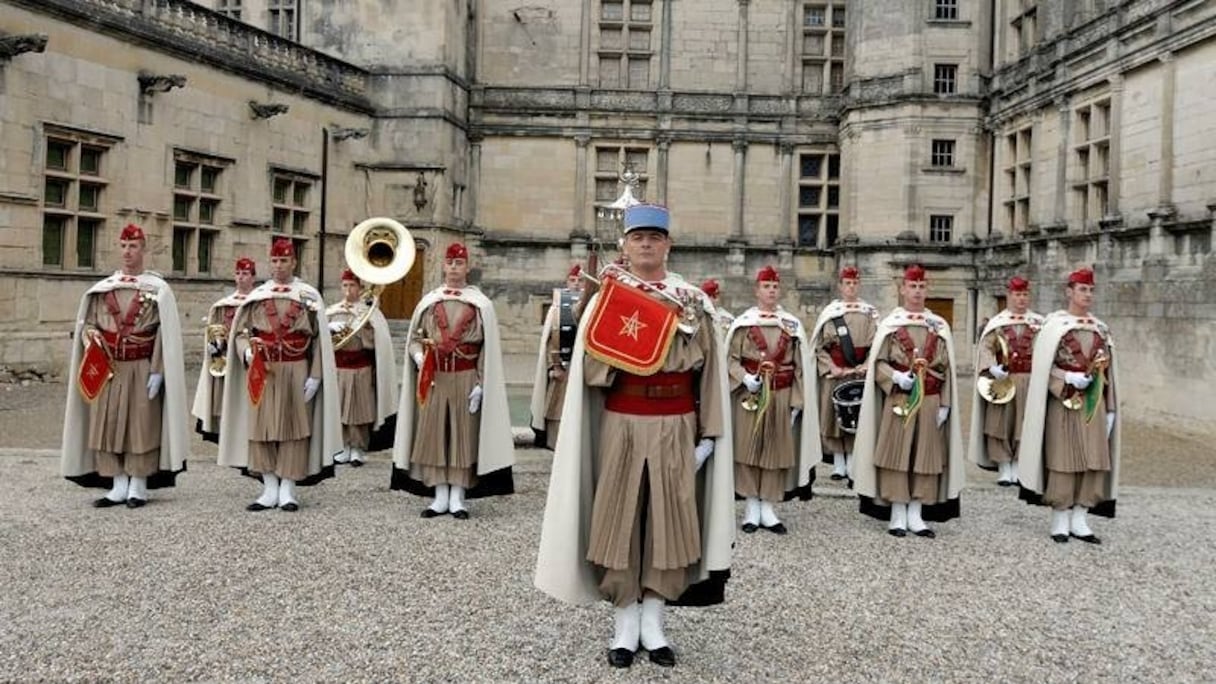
833 196
209 180
183 174
831 230
292 204
206 245
943 153
625 25
181 240
1018 155
282 14
836 78
639 11
945 10
73 198
823 47
1091 163
612 11
818 197
196 210
808 196
229 8
945 79
808 230
812 77
941 228
838 17
814 15
813 44
639 73
810 165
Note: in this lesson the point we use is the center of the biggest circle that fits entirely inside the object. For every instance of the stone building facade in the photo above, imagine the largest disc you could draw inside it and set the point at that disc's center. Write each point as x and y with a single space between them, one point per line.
979 137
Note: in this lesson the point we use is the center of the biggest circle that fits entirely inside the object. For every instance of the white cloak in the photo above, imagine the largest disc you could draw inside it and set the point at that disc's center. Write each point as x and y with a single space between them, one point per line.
386 365
77 462
865 479
810 450
540 378
835 309
562 568
326 437
977 446
202 392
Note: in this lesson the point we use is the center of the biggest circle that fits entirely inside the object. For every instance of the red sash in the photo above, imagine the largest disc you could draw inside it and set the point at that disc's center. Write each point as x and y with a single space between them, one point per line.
933 385
630 330
1073 345
1021 348
255 381
449 341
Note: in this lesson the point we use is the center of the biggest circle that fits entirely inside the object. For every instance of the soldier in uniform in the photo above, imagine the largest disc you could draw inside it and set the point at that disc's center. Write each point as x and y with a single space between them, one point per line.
367 372
209 394
722 317
553 359
909 455
1004 356
637 512
125 423
280 414
1069 454
767 352
454 442
841 340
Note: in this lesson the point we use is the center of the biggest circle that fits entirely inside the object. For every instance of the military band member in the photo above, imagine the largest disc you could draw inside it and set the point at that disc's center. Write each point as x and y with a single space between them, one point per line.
553 359
1069 454
635 515
909 466
767 352
841 340
125 423
367 373
209 394
1004 356
722 317
280 414
454 439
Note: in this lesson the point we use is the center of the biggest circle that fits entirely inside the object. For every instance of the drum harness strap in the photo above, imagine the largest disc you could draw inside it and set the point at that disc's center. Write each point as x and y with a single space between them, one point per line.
846 341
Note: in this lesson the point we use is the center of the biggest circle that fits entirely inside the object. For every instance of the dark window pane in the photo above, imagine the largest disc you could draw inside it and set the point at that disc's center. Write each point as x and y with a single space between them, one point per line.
299 221
90 161
808 230
282 187
281 219
57 154
832 229
811 164
208 179
181 207
56 194
183 174
86 242
808 196
90 197
181 239
206 240
833 166
299 244
301 195
206 211
52 240
833 197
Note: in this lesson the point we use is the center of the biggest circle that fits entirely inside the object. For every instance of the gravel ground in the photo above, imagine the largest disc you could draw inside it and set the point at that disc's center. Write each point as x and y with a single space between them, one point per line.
356 587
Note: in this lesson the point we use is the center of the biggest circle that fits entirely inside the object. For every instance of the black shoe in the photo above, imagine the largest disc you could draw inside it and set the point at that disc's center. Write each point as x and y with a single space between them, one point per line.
291 507
462 514
1060 538
136 503
749 528
620 657
1004 483
255 507
1088 539
926 533
779 528
430 513
103 502
897 532
663 657
356 464
836 477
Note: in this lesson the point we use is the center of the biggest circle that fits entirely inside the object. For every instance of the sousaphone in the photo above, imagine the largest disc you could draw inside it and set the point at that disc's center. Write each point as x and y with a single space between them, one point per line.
380 251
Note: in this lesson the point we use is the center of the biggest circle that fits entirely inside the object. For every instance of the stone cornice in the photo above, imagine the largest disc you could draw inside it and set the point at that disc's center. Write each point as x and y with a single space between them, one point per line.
196 34
692 105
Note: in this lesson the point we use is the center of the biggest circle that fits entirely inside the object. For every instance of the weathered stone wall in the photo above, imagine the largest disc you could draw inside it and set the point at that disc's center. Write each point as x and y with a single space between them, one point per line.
537 43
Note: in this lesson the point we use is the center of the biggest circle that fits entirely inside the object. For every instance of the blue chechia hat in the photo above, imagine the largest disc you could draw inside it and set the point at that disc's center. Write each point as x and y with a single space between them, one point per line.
648 216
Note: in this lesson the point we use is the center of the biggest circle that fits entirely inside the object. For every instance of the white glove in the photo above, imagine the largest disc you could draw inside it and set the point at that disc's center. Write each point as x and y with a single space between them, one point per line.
336 326
1078 380
213 348
248 356
904 379
1110 423
418 357
751 382
311 385
794 413
997 371
705 449
943 412
475 399
155 380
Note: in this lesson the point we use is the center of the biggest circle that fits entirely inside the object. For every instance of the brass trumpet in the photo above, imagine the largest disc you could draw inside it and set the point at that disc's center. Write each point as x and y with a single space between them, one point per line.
217 334
913 399
1073 398
994 390
751 402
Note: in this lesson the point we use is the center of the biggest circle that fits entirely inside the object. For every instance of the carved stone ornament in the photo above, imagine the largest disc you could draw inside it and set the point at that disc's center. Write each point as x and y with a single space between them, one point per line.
11 46
156 83
267 110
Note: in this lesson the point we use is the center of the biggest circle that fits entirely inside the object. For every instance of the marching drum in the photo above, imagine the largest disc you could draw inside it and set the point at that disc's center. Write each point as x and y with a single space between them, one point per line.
846 399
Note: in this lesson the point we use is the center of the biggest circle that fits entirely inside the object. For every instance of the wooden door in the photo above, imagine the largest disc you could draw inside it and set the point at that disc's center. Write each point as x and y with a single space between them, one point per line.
399 299
942 306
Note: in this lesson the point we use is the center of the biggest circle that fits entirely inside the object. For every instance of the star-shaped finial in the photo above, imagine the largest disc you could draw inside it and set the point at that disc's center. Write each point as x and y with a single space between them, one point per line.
631 325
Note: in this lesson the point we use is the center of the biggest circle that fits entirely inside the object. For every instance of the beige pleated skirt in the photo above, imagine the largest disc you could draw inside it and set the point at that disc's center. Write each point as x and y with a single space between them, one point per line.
358 395
896 440
282 415
445 435
123 419
1070 445
659 448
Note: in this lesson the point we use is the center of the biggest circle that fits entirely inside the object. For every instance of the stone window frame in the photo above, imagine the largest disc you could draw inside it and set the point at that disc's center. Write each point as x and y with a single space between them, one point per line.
292 215
945 10
632 60
817 198
945 78
942 153
1089 160
68 221
941 228
196 210
283 18
1023 25
823 70
620 156
1018 156
229 8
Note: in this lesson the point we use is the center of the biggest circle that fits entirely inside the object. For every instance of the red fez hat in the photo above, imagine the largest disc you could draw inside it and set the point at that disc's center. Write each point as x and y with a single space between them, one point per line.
850 273
575 270
1082 276
246 264
710 287
1019 284
914 273
282 247
132 232
767 274
457 251
349 275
